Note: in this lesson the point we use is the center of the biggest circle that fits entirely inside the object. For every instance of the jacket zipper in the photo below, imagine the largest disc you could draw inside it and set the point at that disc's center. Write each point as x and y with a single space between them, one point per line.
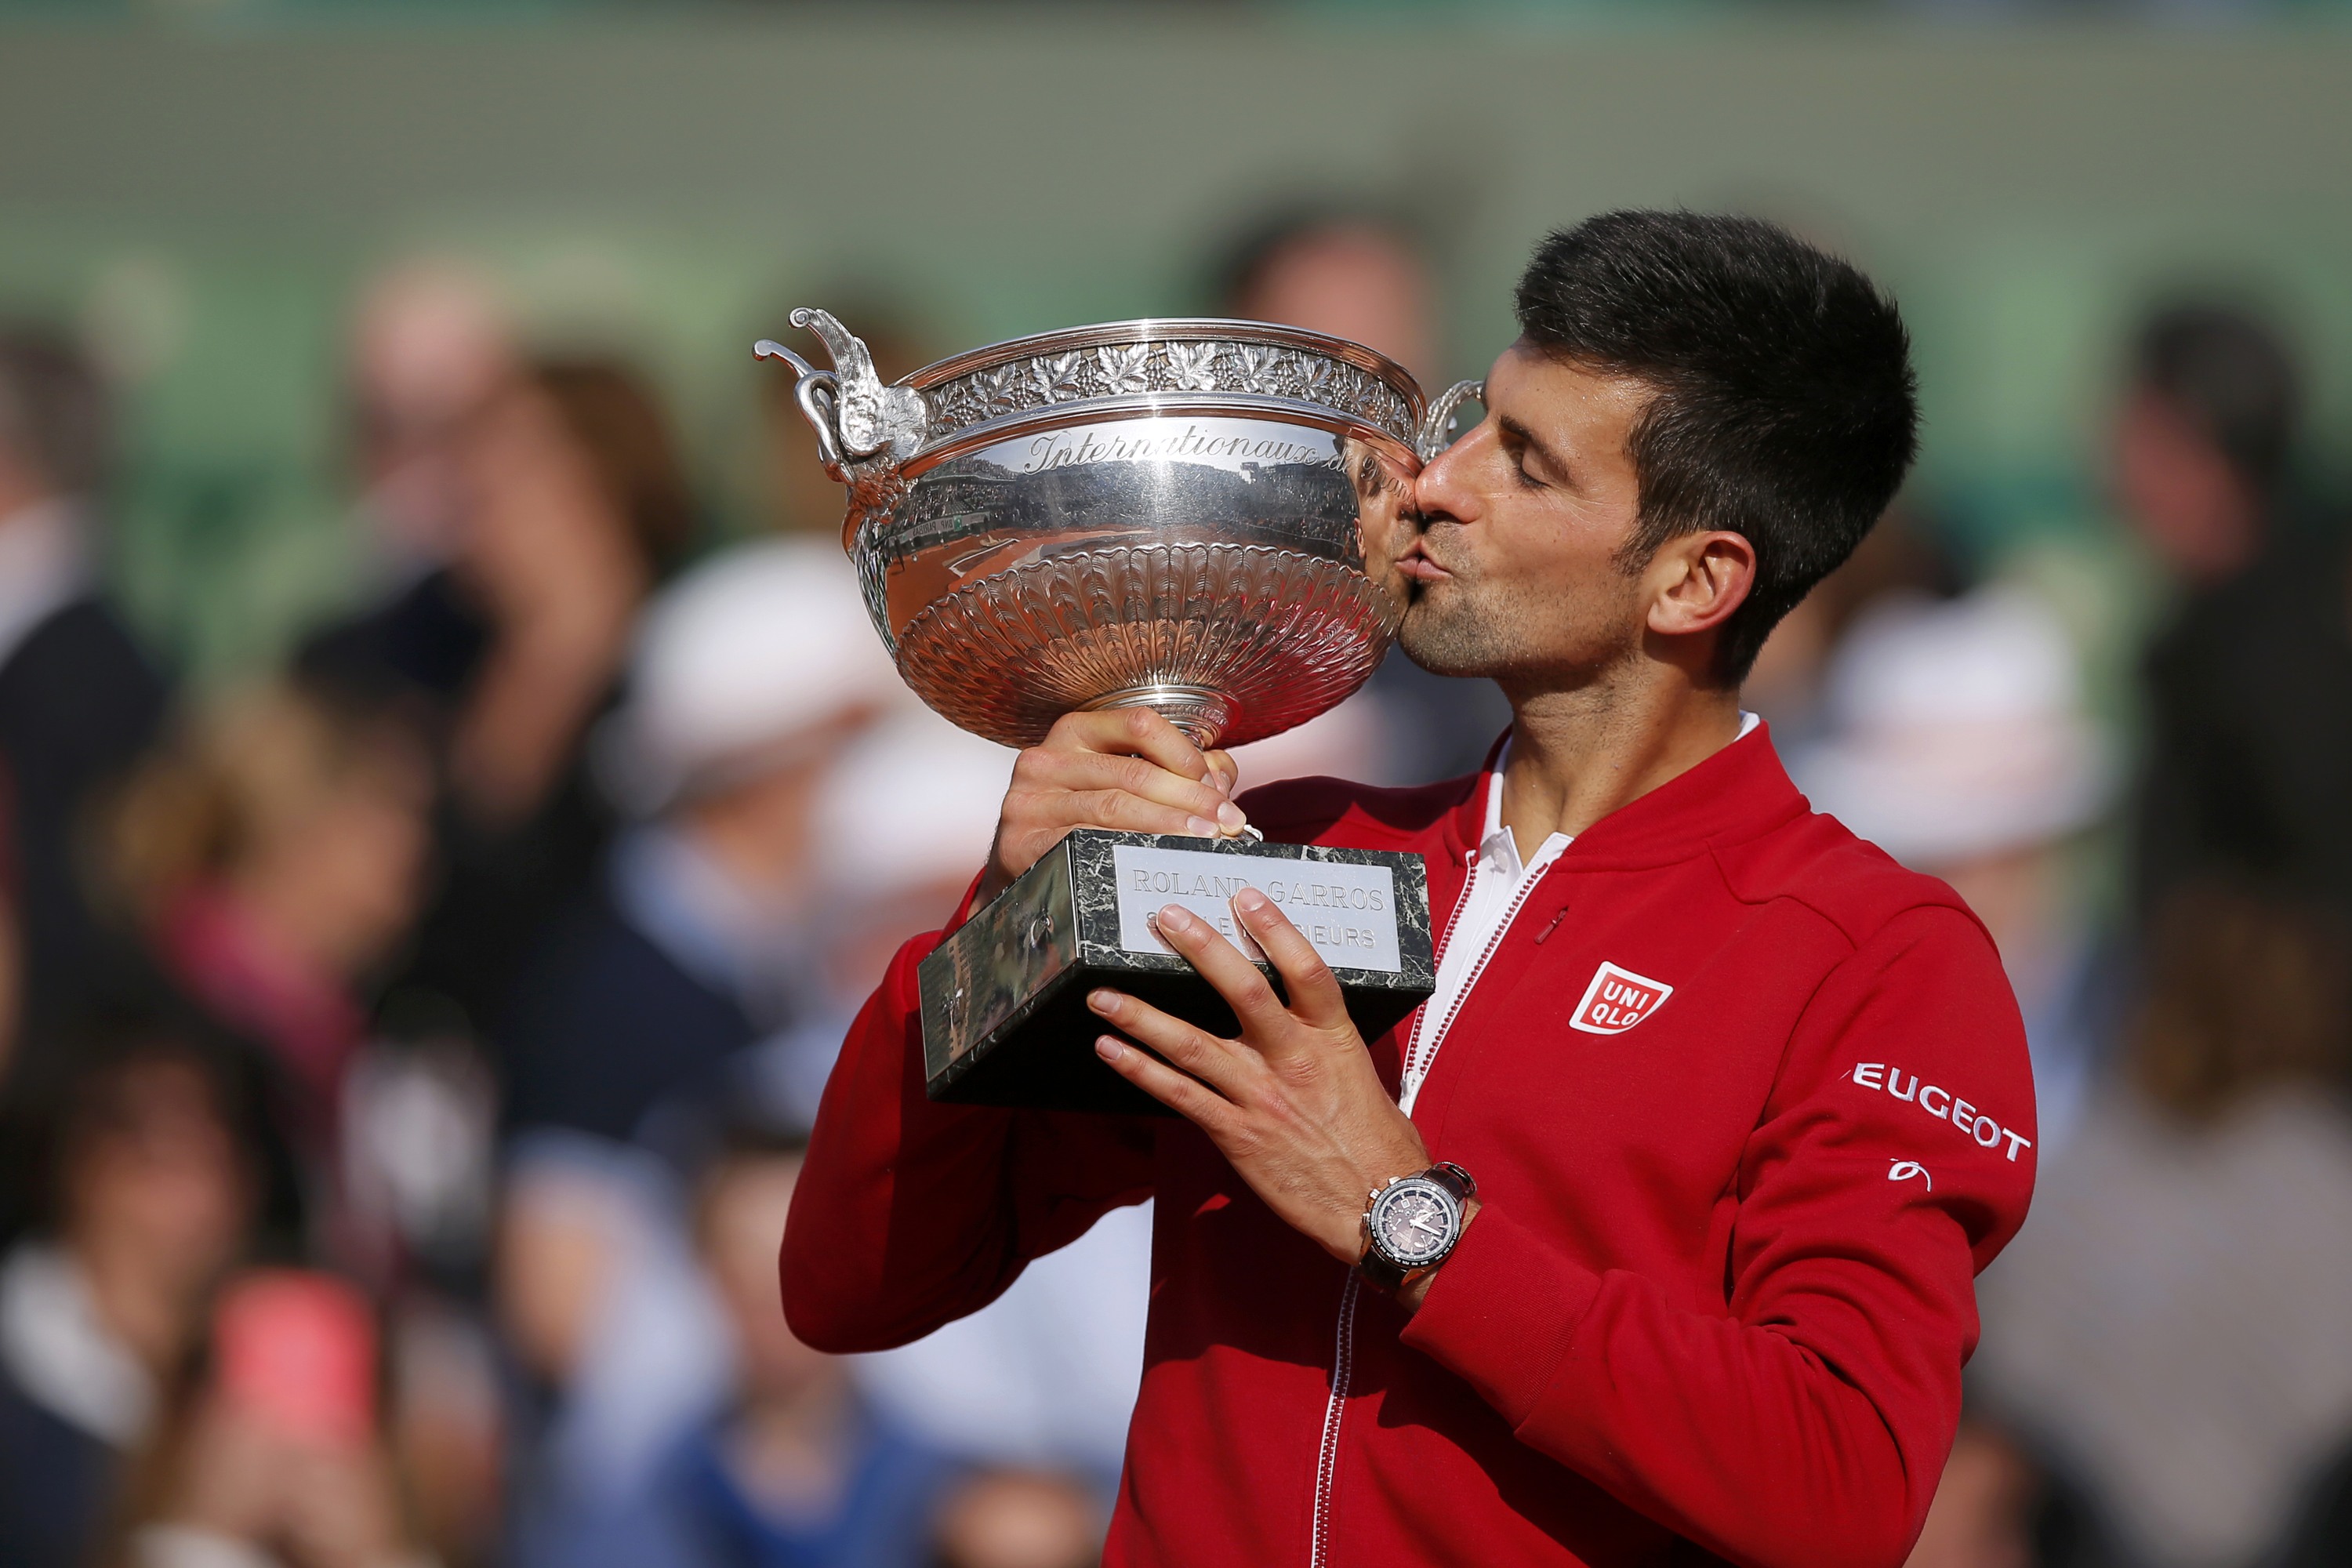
1423 1053
1327 1456
1406 1081
1420 1052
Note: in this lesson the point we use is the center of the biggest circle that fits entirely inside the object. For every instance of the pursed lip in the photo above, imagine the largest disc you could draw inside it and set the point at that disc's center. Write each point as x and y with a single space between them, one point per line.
1414 563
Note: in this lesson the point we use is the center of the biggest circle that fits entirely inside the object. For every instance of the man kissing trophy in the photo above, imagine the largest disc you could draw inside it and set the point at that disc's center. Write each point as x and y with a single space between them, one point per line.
1190 519
1709 1296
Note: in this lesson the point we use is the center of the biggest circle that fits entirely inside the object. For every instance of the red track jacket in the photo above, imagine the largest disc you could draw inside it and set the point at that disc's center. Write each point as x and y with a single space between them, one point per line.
1717 1299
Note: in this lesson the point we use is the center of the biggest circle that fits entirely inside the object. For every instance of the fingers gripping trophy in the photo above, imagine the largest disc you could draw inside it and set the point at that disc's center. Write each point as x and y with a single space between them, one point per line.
1193 518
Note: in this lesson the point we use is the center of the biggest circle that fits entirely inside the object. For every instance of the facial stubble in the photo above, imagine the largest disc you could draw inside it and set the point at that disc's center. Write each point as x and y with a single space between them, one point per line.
1468 624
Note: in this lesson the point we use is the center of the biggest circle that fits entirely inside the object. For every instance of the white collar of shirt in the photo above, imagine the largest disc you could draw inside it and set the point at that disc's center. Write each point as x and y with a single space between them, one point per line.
62 1356
44 566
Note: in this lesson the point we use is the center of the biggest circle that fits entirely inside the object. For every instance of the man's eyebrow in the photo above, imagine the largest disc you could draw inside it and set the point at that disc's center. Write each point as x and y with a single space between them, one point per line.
1527 437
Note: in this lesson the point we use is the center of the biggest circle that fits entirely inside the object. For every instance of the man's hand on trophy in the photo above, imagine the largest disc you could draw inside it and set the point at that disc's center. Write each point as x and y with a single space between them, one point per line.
1124 768
1295 1104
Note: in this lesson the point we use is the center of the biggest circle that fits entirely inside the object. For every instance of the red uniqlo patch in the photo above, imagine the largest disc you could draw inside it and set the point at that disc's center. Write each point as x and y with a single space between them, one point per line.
1617 1000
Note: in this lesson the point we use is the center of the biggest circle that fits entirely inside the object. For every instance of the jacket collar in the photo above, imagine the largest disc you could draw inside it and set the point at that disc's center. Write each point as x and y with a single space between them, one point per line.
1740 792
1464 824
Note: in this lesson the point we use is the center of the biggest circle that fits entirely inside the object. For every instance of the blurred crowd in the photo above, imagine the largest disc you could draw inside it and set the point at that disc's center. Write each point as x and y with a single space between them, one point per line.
408 1049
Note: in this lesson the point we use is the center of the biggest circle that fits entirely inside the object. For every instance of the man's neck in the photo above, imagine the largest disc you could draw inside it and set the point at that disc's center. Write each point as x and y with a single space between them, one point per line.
1578 753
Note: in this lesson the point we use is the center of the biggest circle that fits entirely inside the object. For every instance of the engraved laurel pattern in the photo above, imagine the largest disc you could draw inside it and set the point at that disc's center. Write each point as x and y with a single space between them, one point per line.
1279 635
1115 370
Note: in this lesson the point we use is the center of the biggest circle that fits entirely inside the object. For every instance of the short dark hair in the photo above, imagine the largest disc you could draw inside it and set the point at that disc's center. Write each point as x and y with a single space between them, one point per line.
1784 406
2231 376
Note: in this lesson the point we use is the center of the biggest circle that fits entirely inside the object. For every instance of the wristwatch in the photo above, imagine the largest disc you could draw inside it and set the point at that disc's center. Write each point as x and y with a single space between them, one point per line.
1412 1223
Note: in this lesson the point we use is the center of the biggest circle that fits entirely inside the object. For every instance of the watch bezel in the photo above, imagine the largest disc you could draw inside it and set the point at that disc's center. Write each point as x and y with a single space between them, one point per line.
1447 1200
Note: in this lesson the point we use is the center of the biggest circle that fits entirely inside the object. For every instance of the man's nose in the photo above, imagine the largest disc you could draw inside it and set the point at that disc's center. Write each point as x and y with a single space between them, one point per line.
1443 489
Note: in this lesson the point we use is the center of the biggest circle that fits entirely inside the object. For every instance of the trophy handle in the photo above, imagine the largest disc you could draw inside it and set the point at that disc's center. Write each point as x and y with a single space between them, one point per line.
1437 429
860 423
816 391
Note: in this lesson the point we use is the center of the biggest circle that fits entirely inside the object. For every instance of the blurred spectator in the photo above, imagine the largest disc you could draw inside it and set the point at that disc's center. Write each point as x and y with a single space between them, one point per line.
1900 557
1361 276
699 940
273 856
1353 272
1983 1515
606 1315
146 1200
793 1470
1997 1507
938 790
2250 686
1018 1518
77 699
447 1428
574 508
430 348
274 1456
1955 740
1045 1376
751 675
2170 1324
2205 439
419 1142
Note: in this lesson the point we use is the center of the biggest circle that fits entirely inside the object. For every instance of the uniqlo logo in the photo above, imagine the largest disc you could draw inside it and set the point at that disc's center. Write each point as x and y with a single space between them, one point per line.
1617 1000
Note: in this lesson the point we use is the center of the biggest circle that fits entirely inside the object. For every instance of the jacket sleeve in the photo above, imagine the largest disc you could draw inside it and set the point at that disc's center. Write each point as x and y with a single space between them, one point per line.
1809 1424
910 1215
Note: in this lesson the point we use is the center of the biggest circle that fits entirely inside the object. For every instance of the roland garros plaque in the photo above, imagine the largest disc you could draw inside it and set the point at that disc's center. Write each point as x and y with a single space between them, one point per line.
1191 516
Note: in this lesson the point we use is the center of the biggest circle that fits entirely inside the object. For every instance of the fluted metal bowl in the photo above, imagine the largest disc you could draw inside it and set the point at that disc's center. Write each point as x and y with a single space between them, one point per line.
1194 516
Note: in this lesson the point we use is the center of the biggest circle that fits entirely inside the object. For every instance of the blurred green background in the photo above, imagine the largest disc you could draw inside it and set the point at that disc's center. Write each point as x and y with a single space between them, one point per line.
203 187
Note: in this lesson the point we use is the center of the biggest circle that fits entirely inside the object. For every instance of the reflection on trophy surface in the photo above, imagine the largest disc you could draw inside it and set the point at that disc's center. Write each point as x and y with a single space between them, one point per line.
1199 517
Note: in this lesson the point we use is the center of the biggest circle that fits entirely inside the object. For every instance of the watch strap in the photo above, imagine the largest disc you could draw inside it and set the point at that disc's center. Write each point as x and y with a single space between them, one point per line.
1381 1271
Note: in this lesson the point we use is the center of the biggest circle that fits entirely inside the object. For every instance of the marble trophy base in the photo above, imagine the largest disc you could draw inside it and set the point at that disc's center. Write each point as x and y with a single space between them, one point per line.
1004 1015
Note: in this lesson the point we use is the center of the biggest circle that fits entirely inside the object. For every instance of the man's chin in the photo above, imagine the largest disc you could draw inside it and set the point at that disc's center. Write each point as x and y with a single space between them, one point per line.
1434 641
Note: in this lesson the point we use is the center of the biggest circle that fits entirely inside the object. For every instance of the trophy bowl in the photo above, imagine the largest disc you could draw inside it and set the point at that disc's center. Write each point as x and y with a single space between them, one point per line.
1192 516
1197 517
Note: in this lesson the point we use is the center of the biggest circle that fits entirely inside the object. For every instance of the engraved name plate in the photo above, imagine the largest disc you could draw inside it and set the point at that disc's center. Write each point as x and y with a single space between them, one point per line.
1347 912
1005 1020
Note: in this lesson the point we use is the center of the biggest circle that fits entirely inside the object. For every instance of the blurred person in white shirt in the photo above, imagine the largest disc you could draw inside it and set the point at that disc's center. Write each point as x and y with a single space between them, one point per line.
146 1197
1044 1378
2168 1328
748 677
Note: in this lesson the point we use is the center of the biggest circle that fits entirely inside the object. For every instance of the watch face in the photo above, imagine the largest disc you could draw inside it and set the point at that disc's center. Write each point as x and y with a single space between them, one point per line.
1415 1221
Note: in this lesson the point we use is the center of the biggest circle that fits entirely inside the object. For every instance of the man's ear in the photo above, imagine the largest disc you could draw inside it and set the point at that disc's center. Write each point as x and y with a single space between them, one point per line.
1696 580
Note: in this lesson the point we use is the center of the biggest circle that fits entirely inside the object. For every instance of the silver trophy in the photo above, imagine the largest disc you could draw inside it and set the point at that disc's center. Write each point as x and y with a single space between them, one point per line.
1196 517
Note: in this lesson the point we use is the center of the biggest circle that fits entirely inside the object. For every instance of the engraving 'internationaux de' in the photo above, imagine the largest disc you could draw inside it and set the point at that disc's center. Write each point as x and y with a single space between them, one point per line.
1233 443
1348 912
